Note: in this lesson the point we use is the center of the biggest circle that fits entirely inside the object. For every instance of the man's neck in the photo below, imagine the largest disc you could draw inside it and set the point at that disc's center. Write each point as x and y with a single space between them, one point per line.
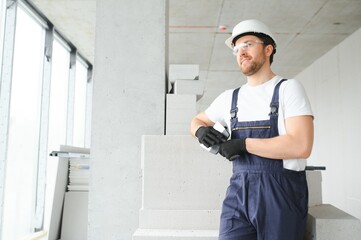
260 78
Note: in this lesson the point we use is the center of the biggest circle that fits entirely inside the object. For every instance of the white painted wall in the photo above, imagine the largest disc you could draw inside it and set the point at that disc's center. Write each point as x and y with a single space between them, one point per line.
333 83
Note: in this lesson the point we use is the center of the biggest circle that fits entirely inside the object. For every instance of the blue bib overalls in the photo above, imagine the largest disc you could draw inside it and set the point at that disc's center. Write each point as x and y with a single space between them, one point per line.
264 200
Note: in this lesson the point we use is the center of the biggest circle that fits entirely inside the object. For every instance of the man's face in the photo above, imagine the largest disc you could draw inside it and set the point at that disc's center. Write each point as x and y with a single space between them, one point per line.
251 55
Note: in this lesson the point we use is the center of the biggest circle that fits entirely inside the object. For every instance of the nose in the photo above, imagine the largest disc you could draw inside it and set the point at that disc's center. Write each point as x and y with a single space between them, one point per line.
241 51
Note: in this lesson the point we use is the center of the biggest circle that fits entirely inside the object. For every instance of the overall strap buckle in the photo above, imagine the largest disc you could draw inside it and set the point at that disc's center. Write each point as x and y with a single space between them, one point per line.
234 113
274 109
275 100
234 108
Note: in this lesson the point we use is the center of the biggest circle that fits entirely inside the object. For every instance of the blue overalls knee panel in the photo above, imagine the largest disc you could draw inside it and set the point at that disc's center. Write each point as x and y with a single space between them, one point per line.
264 200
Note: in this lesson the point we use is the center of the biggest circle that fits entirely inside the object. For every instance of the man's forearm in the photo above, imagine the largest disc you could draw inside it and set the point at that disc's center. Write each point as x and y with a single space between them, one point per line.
280 147
195 124
198 121
297 143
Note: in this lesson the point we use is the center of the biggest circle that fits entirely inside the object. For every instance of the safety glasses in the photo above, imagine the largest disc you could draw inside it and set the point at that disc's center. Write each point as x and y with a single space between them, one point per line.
245 46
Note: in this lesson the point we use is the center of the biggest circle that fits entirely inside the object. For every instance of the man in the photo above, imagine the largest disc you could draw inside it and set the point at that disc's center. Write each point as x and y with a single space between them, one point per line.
271 126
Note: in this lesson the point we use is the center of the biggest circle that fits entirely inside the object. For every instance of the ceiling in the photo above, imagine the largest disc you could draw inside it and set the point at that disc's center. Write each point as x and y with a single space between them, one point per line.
304 30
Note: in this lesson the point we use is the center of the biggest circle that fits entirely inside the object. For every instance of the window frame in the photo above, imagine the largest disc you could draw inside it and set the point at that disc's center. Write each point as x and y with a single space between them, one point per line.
9 7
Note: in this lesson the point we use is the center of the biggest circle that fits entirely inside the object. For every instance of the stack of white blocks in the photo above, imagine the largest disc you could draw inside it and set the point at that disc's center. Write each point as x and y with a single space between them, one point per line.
183 189
326 222
181 104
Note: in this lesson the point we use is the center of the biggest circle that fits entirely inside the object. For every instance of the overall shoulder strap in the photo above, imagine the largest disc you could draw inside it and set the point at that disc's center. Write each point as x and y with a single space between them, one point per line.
234 108
275 99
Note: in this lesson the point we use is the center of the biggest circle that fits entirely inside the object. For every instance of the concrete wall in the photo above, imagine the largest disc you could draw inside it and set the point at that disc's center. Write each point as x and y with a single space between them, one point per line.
333 83
128 101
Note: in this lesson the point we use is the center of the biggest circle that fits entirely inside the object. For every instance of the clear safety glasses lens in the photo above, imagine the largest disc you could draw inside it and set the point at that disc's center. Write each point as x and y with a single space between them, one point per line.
244 46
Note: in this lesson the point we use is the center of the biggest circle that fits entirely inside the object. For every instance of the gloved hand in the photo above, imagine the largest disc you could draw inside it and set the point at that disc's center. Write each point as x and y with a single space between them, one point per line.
233 148
208 136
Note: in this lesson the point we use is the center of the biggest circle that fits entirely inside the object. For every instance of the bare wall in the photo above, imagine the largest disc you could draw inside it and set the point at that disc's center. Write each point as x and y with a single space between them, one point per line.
333 83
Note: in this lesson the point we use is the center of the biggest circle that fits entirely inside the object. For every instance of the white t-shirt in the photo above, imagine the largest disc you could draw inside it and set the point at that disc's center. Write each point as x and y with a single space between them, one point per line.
254 104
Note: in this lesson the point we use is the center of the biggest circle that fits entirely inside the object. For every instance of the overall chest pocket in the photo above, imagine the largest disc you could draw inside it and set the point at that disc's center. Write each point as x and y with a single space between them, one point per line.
257 129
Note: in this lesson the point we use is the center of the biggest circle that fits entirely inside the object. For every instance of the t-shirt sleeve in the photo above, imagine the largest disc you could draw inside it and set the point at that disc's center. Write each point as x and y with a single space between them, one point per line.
295 100
218 111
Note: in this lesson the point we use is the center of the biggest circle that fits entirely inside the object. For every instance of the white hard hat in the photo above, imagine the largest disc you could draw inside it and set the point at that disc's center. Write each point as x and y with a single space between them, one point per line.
249 26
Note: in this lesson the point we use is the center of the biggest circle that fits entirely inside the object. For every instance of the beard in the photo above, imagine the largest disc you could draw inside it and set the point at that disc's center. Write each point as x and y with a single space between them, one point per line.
252 67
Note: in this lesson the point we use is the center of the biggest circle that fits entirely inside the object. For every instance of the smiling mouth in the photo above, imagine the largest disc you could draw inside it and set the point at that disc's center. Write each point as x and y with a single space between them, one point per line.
243 60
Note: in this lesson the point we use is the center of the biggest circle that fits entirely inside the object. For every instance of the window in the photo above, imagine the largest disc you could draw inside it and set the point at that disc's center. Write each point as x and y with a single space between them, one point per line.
45 107
24 124
80 104
58 96
2 23
58 109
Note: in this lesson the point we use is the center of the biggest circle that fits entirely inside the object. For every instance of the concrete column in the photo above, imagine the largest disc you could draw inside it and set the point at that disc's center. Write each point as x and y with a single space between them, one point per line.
128 102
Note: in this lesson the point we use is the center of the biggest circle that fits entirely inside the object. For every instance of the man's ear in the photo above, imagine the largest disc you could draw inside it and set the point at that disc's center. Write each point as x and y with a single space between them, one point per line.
269 50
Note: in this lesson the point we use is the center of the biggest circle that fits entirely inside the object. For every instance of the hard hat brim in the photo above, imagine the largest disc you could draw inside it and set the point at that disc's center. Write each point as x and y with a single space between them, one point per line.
229 41
250 26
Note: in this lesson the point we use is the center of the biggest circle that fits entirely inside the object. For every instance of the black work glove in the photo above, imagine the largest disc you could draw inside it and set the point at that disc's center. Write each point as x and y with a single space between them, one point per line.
208 136
233 148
